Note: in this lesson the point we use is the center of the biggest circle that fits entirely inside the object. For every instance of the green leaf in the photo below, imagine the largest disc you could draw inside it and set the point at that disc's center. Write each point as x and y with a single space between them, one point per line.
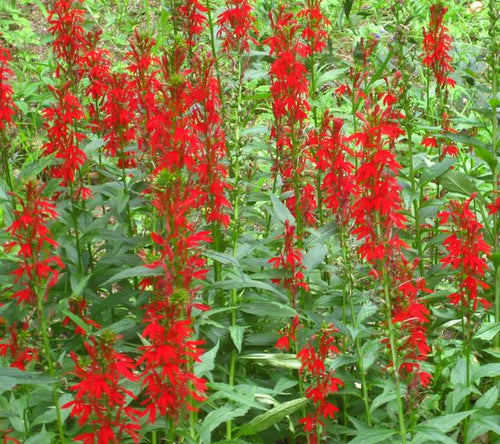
77 320
237 332
447 423
236 394
281 211
373 436
481 424
388 395
431 435
314 257
283 360
487 331
487 371
223 258
49 415
457 182
207 362
42 437
271 417
489 399
485 155
10 377
232 441
35 167
272 309
216 417
78 283
347 7
139 271
243 282
436 170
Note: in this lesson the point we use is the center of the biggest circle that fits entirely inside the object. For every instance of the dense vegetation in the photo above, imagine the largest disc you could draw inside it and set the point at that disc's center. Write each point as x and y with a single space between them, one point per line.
249 221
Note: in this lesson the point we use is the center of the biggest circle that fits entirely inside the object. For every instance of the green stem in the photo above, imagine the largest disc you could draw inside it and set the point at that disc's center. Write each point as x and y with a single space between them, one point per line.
74 216
5 160
494 60
235 158
348 294
408 126
395 363
212 42
467 349
148 19
50 363
130 222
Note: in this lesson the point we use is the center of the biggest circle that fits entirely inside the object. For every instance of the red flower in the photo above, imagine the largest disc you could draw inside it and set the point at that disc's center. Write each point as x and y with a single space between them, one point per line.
322 382
192 19
235 25
290 260
170 386
466 247
38 268
211 148
101 401
436 46
331 156
66 21
288 334
15 346
314 32
61 120
7 106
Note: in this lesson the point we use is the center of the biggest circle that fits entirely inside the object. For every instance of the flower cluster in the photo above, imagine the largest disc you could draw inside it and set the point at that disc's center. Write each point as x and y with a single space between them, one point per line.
410 317
288 334
191 19
436 47
7 106
101 400
289 91
66 25
187 147
321 381
38 268
236 23
61 120
290 260
466 247
377 209
207 123
378 215
170 385
314 33
331 156
15 345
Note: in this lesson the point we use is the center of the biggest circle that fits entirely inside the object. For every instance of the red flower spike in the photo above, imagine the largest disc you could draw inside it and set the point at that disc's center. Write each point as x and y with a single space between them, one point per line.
322 382
236 24
290 260
330 153
66 25
466 247
314 33
288 334
101 401
207 123
61 120
436 46
13 346
37 267
7 106
192 19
